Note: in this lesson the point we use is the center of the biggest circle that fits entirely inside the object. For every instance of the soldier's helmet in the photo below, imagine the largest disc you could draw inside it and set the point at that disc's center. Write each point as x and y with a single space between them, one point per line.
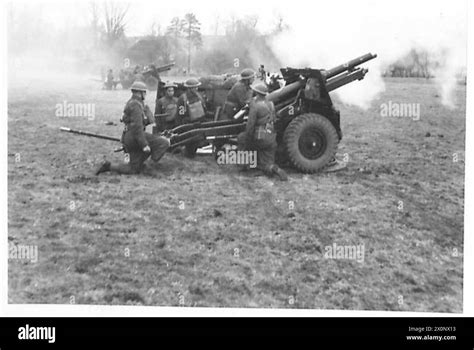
260 89
170 85
247 73
138 86
192 83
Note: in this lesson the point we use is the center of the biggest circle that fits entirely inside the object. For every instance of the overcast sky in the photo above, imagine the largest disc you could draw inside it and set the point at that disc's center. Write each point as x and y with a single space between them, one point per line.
334 13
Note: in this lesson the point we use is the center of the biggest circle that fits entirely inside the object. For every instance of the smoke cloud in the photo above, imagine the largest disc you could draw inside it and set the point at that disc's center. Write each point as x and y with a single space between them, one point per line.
342 30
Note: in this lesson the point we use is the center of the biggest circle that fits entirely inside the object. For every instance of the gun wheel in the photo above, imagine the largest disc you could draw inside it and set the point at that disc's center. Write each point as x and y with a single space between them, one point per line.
311 142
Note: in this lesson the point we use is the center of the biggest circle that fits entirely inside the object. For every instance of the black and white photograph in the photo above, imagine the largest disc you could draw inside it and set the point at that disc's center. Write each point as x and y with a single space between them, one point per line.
239 155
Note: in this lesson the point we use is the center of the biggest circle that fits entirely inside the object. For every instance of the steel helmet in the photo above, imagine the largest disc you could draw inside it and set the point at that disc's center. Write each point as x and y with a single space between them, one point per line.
192 82
247 73
138 86
260 89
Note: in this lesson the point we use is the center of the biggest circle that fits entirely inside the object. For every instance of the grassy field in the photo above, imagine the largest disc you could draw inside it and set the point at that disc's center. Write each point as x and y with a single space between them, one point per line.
192 233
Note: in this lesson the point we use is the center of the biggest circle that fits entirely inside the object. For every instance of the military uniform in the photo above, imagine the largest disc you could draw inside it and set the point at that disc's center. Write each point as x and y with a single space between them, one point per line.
134 138
259 134
187 99
167 105
109 83
238 97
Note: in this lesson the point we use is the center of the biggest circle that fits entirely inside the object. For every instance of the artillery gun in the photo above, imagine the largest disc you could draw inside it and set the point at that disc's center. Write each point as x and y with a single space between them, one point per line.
307 124
149 75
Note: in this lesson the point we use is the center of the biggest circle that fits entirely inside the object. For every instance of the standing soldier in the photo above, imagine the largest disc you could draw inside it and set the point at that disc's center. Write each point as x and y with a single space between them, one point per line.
167 108
109 83
259 134
191 106
239 95
137 143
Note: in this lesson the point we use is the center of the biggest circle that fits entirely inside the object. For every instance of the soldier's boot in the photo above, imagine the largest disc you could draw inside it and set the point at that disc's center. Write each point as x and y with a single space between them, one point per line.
104 167
280 173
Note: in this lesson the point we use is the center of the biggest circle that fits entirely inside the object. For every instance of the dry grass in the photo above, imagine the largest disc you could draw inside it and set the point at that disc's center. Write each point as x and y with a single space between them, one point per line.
238 242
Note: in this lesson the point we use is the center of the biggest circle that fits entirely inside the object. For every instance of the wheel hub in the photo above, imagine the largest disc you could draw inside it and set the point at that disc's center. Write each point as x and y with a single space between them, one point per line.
312 143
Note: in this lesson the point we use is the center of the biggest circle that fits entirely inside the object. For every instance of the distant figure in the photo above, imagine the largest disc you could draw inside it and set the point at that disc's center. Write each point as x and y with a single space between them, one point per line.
261 73
110 82
166 109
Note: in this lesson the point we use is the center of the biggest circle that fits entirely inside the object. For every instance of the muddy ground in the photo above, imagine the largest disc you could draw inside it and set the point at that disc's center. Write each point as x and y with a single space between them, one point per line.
192 233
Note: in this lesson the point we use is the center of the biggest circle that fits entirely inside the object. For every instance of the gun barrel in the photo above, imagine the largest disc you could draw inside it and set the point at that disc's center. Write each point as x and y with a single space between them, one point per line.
85 133
345 78
348 66
285 91
165 67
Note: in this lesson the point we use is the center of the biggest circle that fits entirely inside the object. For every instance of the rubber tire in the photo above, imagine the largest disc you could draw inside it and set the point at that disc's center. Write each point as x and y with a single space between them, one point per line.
291 139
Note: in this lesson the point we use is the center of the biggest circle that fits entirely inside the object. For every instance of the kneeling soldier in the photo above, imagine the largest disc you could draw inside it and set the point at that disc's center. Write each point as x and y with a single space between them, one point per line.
137 143
259 134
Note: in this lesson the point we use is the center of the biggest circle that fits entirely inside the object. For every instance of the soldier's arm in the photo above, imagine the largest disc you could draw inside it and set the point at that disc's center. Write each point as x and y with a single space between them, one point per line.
159 107
135 111
150 118
252 119
242 95
203 102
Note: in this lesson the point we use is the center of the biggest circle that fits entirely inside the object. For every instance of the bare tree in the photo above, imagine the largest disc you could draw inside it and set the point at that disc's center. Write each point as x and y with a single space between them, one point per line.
280 25
216 24
175 28
114 22
173 35
251 21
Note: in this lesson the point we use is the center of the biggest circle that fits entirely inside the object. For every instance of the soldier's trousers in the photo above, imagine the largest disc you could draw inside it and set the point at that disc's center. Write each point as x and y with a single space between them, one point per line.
158 145
265 147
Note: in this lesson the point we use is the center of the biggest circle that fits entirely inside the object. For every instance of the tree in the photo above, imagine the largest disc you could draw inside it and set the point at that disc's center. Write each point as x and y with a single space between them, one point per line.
173 34
192 34
114 18
175 28
280 25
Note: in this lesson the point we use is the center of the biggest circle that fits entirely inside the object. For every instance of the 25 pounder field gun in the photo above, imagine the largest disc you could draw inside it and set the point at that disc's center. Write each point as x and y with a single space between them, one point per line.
307 124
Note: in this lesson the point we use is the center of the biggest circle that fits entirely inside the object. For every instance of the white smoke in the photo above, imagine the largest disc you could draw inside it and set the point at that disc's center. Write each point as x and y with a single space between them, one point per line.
337 31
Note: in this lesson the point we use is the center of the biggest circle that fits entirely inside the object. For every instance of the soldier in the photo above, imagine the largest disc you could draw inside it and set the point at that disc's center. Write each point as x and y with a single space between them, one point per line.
167 107
137 73
261 73
137 143
191 105
259 134
239 95
109 82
